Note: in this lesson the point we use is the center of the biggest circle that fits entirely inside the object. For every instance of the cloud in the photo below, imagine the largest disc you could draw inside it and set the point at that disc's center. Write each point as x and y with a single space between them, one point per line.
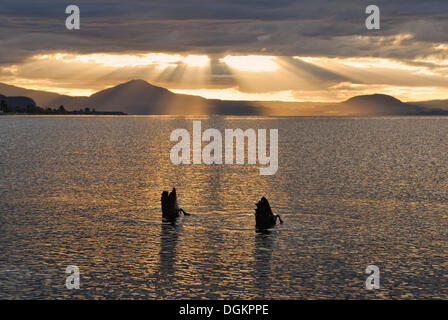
281 27
407 56
266 76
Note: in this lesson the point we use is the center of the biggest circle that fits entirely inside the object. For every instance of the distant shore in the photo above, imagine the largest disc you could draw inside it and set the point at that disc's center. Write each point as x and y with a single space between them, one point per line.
104 113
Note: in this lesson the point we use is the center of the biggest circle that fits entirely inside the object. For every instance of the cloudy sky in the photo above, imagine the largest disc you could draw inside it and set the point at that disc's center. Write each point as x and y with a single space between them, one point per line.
311 50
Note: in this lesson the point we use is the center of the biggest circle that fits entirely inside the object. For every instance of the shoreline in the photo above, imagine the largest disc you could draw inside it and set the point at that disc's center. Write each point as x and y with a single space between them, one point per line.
231 116
65 114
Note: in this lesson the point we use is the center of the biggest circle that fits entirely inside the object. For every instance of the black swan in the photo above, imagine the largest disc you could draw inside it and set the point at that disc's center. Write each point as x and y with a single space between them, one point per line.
264 218
170 208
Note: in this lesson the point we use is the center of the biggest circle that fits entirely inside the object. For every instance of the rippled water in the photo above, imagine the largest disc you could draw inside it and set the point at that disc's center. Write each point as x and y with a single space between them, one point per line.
85 191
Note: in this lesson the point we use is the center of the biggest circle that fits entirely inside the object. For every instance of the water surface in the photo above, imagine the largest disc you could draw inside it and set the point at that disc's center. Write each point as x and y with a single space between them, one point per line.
353 192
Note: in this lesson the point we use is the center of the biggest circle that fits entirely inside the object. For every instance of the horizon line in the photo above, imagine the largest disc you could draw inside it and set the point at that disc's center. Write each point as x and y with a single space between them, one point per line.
242 100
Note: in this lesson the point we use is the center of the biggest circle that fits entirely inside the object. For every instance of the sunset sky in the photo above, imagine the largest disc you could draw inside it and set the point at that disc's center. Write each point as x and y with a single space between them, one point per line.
239 50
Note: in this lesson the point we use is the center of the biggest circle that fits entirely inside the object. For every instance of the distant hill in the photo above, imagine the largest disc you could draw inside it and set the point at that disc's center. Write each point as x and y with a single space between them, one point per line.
18 103
433 104
43 98
138 97
25 105
365 105
377 104
141 98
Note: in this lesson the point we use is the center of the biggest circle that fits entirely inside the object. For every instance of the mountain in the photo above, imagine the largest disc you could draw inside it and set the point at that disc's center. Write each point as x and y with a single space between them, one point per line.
365 105
433 104
377 104
141 98
43 98
137 97
19 103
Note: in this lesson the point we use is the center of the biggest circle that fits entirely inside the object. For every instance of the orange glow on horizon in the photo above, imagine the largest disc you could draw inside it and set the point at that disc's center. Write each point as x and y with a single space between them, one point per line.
245 77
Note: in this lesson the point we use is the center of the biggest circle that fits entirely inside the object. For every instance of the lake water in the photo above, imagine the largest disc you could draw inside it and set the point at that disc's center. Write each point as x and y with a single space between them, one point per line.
352 192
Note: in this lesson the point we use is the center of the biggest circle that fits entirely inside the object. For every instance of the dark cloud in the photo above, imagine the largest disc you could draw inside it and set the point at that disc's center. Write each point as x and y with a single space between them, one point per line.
217 27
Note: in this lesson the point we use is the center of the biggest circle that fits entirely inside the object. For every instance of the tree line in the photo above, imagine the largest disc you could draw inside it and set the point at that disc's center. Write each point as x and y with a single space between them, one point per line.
33 109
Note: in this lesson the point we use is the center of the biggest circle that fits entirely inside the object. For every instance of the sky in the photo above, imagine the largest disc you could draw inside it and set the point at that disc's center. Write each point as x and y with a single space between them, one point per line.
311 50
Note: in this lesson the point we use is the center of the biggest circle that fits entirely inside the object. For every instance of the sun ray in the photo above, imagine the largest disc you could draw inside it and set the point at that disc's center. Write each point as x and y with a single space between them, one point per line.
251 63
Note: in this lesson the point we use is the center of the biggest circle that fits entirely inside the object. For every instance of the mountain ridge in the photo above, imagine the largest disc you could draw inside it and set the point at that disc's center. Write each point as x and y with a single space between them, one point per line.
140 97
18 102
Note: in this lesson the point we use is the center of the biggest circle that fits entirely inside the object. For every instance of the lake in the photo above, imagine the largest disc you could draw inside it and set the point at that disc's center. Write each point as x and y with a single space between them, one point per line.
352 192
